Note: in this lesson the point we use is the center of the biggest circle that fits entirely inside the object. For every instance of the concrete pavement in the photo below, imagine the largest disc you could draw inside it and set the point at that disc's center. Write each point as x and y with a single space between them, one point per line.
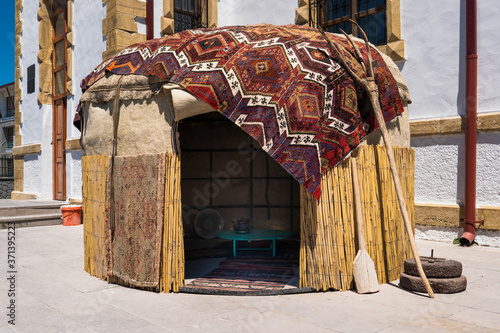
54 294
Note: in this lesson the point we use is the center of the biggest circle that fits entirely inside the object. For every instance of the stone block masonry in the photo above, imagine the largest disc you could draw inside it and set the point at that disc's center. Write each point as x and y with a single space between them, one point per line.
6 187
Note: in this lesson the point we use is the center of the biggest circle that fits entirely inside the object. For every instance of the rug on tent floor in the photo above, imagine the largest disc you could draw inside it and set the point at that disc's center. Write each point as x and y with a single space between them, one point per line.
247 275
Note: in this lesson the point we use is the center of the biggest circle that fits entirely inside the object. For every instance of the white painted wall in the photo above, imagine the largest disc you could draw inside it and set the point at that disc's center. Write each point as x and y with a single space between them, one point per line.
89 44
440 169
87 51
238 12
434 34
32 115
37 120
488 53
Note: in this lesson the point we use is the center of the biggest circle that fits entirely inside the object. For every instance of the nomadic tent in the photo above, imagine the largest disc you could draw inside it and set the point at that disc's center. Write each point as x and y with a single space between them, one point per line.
284 87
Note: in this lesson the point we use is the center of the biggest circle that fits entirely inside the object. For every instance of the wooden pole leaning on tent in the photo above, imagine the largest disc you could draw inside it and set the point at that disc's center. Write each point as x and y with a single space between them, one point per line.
365 275
371 88
114 152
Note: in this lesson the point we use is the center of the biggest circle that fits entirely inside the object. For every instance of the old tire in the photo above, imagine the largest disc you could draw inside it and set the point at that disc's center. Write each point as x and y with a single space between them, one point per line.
437 269
438 285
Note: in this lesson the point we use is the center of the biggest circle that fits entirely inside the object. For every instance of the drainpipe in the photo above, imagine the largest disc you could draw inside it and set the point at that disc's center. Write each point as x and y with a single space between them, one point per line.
149 19
471 126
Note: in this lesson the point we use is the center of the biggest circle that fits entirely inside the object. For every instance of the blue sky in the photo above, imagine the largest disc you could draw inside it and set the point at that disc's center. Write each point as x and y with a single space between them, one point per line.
7 41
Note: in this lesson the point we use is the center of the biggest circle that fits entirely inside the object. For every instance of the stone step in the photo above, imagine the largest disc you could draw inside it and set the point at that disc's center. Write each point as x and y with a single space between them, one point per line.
28 213
30 210
31 220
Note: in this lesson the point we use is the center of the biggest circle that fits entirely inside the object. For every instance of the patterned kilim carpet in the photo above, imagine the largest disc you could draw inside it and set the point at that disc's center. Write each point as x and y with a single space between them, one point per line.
246 275
283 85
135 243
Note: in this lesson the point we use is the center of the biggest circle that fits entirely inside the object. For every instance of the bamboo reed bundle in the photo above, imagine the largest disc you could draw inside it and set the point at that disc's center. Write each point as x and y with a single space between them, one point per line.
347 246
367 171
395 237
94 178
328 243
172 276
95 172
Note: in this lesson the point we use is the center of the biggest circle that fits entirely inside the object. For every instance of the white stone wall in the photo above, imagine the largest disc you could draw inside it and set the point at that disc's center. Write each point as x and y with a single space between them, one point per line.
238 12
31 111
89 44
36 127
435 51
434 34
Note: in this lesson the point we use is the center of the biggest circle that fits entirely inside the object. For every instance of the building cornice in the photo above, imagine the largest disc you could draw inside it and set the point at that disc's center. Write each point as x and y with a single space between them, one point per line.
486 122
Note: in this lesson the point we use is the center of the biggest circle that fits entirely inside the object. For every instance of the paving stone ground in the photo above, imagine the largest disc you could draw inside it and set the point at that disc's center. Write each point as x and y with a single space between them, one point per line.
54 294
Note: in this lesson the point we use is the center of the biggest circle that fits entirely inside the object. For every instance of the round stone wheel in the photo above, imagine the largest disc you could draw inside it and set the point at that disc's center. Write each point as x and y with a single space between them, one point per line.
438 285
437 269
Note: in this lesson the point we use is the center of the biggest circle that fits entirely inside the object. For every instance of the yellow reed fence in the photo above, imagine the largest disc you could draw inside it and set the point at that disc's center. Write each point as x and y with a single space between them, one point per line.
328 238
172 276
95 174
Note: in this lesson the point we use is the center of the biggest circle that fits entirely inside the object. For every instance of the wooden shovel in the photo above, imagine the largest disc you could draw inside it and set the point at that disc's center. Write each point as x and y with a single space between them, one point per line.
365 275
371 89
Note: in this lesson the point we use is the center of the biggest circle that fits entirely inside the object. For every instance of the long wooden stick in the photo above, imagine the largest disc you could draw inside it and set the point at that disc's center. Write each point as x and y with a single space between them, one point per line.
371 88
399 190
357 205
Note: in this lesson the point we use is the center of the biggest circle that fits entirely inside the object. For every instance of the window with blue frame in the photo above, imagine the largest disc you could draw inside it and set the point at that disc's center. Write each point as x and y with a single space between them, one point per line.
334 15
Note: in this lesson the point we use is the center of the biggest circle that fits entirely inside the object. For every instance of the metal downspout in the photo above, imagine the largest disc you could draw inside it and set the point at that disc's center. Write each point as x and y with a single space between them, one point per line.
149 19
471 125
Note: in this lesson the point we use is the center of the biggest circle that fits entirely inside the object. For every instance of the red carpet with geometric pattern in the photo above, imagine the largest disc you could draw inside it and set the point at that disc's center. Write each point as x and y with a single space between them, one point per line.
280 84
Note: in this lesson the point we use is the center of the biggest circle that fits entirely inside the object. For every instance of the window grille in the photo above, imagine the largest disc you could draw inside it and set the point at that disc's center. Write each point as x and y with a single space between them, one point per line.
6 166
334 15
188 14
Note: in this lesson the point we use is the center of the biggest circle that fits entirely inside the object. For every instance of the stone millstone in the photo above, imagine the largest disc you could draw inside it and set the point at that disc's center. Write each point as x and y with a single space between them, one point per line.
438 285
438 269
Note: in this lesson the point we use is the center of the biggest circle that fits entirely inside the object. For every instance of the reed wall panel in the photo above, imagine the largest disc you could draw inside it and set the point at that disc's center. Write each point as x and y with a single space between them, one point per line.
172 266
95 173
96 176
328 237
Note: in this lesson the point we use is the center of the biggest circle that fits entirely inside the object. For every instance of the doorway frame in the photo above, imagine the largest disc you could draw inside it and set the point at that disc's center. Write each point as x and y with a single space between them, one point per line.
59 89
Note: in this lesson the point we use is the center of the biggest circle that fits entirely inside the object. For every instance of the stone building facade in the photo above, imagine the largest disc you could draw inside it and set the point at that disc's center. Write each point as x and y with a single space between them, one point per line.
58 42
6 140
425 39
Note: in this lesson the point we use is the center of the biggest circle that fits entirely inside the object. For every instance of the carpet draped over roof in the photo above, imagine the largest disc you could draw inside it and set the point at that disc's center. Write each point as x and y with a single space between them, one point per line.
280 84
